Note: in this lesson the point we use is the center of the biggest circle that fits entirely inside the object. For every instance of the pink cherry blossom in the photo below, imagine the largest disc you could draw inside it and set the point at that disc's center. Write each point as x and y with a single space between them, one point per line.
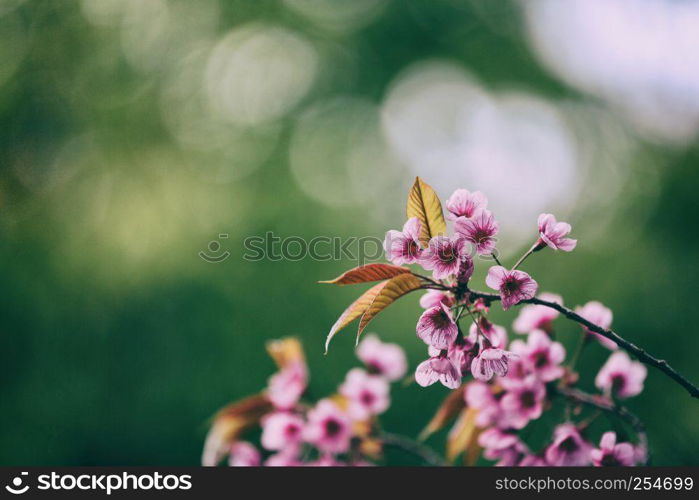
328 428
513 286
532 461
533 316
495 335
403 247
620 376
463 203
366 394
491 362
244 454
479 230
568 447
436 327
439 368
281 430
387 360
444 256
480 396
502 446
554 233
541 355
595 312
286 386
524 402
611 453
435 297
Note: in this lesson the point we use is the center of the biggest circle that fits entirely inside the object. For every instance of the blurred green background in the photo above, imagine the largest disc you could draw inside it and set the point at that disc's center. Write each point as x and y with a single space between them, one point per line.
135 132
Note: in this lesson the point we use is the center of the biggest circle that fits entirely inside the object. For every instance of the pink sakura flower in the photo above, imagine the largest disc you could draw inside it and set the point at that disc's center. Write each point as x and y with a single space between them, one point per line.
438 368
611 453
533 317
479 230
490 362
403 247
541 355
286 386
367 394
444 256
328 428
480 396
568 447
620 376
460 353
435 297
502 446
244 454
596 313
387 360
436 327
513 286
281 431
495 335
524 402
463 203
554 233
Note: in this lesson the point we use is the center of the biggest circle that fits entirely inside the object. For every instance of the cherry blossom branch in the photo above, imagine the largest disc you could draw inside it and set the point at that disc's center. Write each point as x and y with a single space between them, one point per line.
631 348
605 405
427 454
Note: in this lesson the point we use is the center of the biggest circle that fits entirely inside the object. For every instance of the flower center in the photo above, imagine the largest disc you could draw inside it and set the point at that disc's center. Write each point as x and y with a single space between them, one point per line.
511 285
569 445
528 399
481 235
332 427
541 359
618 382
441 320
609 460
446 254
367 398
411 248
291 430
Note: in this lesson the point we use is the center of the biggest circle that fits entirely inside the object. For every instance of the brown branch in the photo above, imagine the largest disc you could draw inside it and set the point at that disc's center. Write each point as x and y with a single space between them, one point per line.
631 348
604 404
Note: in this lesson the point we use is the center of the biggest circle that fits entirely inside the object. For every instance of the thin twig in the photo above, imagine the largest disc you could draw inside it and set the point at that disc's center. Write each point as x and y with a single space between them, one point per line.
427 454
630 347
606 405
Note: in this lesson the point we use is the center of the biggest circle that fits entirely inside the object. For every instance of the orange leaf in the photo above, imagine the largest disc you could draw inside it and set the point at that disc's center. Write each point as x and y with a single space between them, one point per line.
286 351
229 423
355 310
394 289
369 272
424 204
449 409
463 434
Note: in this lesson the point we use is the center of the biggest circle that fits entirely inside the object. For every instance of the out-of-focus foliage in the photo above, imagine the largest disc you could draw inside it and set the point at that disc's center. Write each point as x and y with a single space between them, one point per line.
135 132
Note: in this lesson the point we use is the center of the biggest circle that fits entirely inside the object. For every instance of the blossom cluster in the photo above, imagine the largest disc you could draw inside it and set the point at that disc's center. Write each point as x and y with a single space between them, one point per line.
337 430
514 382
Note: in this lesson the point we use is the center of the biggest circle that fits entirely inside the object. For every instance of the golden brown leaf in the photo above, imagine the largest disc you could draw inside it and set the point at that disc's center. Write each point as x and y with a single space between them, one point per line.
355 310
367 273
424 204
463 434
448 410
286 351
394 289
229 423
